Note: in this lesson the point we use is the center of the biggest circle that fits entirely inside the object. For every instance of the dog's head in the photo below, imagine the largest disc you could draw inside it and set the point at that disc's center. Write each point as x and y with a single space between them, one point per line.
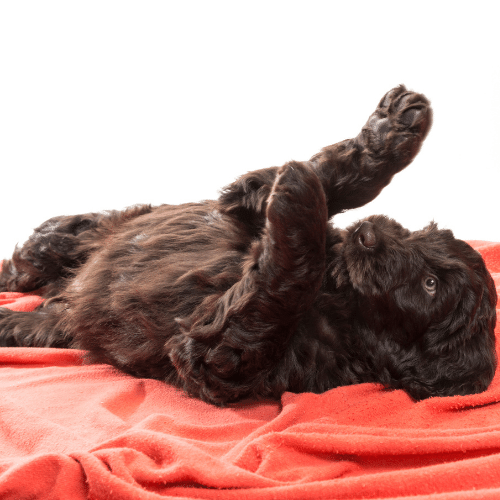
426 306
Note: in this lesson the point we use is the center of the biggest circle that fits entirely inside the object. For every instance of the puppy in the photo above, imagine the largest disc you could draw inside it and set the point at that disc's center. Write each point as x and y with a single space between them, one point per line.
257 293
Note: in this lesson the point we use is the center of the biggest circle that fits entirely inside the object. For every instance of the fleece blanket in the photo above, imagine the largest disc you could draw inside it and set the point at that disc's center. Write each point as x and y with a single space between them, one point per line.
75 431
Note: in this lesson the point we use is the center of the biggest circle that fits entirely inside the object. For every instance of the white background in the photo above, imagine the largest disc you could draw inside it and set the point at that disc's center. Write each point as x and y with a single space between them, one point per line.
108 104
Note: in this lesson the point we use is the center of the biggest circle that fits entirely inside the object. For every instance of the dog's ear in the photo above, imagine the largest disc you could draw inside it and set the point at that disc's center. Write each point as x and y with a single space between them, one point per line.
458 355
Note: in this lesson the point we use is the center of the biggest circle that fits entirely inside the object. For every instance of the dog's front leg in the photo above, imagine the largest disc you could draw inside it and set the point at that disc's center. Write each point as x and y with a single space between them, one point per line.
228 351
354 171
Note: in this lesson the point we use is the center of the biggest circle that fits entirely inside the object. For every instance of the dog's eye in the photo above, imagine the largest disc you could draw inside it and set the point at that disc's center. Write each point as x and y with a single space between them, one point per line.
430 285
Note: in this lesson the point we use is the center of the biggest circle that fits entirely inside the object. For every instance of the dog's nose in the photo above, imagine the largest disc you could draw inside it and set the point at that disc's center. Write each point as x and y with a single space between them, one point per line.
366 235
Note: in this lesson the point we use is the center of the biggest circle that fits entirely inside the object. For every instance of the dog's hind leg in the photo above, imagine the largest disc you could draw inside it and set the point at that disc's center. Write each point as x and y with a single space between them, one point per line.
354 171
56 247
46 256
46 260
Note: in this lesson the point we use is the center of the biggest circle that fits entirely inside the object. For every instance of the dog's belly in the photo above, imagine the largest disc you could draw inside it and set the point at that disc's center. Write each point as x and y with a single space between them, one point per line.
150 274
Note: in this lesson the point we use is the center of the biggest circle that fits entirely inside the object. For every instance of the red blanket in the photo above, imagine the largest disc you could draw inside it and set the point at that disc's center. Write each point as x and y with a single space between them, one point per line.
70 431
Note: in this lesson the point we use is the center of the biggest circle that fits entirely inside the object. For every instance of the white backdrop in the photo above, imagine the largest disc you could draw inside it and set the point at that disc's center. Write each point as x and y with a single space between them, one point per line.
107 104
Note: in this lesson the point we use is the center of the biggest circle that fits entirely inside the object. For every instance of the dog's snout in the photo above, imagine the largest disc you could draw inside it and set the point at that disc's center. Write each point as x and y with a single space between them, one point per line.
366 235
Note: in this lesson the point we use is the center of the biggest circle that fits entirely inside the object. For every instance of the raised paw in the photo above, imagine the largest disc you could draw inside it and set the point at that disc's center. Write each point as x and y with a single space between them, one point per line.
395 131
353 172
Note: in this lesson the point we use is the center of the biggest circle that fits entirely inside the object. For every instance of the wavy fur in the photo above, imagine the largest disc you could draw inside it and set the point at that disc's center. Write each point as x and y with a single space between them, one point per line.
257 293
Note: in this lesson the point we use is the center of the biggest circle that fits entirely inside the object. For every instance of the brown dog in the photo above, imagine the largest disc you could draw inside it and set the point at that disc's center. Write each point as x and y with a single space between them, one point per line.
256 293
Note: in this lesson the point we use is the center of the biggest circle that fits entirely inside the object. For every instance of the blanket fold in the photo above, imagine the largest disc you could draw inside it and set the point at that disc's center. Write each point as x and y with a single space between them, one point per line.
70 430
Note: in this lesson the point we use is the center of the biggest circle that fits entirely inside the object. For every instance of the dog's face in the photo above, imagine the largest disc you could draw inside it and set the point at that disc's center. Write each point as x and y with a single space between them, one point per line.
426 303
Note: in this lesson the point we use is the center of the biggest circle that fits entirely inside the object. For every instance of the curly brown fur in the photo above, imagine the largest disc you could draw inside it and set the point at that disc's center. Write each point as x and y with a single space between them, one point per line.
257 293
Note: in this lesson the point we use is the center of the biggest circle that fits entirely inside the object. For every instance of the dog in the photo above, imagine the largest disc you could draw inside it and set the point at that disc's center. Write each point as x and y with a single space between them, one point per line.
257 293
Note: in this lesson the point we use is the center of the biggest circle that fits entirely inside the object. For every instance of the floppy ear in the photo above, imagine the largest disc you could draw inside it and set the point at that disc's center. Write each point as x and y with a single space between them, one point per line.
458 353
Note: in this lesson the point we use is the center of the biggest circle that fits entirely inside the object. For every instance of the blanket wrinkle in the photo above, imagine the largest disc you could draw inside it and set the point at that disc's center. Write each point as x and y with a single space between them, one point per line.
20 301
69 430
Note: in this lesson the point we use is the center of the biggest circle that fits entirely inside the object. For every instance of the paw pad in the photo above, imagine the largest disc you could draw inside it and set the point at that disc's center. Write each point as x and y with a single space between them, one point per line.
397 128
